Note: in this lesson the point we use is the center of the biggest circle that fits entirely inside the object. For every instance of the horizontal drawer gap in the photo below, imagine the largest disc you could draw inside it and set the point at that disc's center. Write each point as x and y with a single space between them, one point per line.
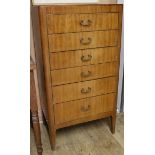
87 97
84 81
82 13
84 49
83 31
85 65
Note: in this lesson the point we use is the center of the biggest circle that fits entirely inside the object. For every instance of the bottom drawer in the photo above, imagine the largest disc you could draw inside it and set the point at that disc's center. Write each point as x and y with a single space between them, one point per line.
73 110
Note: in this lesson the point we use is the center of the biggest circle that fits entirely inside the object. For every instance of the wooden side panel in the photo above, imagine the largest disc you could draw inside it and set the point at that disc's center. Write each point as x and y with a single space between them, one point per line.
83 40
68 59
83 108
80 90
81 22
44 37
70 75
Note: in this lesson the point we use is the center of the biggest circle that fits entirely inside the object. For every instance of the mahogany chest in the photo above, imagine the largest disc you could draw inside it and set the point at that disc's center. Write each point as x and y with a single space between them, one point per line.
81 56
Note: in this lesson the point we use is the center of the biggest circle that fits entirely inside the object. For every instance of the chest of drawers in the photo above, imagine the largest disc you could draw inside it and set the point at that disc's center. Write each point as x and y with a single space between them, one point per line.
81 53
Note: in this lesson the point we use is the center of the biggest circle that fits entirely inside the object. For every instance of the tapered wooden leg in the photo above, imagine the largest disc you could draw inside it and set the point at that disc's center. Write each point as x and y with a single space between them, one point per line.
51 132
37 135
113 123
53 139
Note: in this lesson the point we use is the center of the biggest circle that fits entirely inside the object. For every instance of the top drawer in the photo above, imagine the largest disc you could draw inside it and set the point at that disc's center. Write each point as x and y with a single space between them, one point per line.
81 22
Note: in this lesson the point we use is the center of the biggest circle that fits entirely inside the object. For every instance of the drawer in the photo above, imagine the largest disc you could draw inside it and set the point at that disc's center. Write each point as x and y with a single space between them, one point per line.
68 111
81 22
82 40
85 89
70 75
68 59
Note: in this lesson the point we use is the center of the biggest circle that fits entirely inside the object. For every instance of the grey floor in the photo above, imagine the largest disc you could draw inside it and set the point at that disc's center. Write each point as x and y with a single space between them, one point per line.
92 138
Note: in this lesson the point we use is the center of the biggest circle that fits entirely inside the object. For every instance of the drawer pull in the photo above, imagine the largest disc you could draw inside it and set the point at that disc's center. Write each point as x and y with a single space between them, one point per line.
85 91
84 109
83 74
85 42
85 22
86 58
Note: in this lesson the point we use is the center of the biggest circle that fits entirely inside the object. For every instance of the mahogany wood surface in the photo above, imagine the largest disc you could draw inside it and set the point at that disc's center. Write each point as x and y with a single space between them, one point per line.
69 59
84 73
81 53
83 8
83 108
44 39
82 40
81 22
73 91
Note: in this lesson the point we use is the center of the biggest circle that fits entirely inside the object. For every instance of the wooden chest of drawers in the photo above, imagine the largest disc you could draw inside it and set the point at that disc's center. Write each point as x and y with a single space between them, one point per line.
81 52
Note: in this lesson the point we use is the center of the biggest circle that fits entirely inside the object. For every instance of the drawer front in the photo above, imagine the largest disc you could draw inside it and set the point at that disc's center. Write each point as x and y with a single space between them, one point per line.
85 89
70 75
68 111
68 59
82 40
81 22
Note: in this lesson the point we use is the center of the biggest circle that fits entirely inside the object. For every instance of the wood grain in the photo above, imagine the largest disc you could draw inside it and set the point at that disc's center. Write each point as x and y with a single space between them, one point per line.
68 59
69 92
67 48
84 119
83 8
81 22
44 37
70 75
83 108
72 41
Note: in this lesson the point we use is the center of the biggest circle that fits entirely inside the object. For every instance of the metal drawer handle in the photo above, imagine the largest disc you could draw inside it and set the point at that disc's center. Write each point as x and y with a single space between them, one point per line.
85 109
85 91
86 58
83 74
85 22
85 42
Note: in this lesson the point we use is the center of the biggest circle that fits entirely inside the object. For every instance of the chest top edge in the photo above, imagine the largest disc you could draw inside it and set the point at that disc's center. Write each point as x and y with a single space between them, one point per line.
81 8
